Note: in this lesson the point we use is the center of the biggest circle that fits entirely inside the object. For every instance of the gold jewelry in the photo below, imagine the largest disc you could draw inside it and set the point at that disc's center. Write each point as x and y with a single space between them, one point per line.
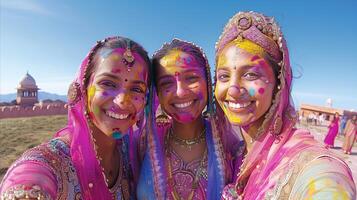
74 93
118 181
199 173
128 57
188 143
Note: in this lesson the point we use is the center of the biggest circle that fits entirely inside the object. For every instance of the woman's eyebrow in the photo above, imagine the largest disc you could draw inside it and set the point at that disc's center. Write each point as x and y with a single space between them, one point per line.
110 75
139 82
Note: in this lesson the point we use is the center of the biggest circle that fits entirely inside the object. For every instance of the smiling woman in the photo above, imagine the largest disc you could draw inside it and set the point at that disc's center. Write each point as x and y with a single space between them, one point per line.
89 158
253 84
184 159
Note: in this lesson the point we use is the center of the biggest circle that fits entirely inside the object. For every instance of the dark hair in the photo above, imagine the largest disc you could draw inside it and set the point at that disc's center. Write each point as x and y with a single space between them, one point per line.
113 43
177 44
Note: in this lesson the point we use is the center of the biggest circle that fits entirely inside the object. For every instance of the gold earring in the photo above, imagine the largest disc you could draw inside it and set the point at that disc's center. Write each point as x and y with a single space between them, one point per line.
277 125
74 93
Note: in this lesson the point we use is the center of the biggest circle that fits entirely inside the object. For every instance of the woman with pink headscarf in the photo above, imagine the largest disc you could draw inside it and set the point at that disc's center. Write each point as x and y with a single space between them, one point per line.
93 157
253 85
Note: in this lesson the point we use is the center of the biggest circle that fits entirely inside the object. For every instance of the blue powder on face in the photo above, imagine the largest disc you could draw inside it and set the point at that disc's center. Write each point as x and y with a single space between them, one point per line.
251 92
117 135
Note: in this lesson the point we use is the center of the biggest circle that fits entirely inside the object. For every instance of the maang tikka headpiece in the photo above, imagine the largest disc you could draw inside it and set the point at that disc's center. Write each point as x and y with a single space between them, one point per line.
128 57
257 28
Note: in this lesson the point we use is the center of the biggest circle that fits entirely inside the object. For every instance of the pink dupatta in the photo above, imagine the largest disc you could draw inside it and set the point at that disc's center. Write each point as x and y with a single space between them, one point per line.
278 143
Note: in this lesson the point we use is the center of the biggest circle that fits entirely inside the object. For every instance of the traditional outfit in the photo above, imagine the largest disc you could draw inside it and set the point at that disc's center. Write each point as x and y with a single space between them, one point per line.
332 132
165 175
67 167
283 163
350 135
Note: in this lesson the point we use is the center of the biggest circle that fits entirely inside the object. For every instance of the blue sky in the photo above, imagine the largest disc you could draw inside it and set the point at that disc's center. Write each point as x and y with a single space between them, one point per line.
50 38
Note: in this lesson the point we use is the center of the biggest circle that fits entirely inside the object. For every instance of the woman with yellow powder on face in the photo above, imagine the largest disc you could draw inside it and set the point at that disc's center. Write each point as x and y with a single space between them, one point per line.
184 159
253 85
91 158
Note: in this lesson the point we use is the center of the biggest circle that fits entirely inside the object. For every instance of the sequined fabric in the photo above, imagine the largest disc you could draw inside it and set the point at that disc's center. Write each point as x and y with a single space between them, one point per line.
46 171
184 174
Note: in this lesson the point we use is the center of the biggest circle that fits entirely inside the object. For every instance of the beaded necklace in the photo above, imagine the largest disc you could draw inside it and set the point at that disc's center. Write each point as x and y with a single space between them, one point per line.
119 178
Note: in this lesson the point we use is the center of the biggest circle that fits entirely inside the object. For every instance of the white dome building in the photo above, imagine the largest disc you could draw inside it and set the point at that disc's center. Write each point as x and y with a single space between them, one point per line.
27 91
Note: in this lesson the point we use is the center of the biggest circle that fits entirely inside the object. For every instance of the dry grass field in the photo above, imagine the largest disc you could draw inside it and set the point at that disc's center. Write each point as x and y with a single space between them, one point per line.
20 134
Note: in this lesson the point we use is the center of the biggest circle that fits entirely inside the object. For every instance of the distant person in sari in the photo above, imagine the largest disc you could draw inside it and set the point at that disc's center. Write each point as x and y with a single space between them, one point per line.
184 158
350 135
253 87
332 131
91 157
343 122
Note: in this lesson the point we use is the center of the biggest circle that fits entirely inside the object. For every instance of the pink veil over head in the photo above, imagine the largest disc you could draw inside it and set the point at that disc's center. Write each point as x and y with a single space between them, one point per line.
87 166
83 155
281 117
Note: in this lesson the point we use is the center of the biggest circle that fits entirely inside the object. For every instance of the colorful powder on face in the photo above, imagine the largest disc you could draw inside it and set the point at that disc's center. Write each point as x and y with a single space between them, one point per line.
91 92
172 58
261 90
251 92
116 71
184 117
177 74
115 57
254 58
222 61
188 60
105 93
263 63
96 110
117 135
231 117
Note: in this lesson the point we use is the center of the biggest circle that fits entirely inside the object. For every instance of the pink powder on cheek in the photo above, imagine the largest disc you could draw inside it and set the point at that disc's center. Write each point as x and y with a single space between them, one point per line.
261 90
177 74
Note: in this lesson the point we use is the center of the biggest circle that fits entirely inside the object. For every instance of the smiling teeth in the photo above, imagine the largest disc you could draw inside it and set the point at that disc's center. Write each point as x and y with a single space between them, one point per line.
238 105
117 116
183 105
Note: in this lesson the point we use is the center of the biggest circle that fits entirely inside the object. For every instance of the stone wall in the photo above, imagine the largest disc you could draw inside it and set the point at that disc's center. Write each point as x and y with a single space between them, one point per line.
37 110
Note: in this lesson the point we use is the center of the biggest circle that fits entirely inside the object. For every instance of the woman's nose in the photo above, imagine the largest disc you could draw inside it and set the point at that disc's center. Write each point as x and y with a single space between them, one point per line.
121 98
235 91
181 89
